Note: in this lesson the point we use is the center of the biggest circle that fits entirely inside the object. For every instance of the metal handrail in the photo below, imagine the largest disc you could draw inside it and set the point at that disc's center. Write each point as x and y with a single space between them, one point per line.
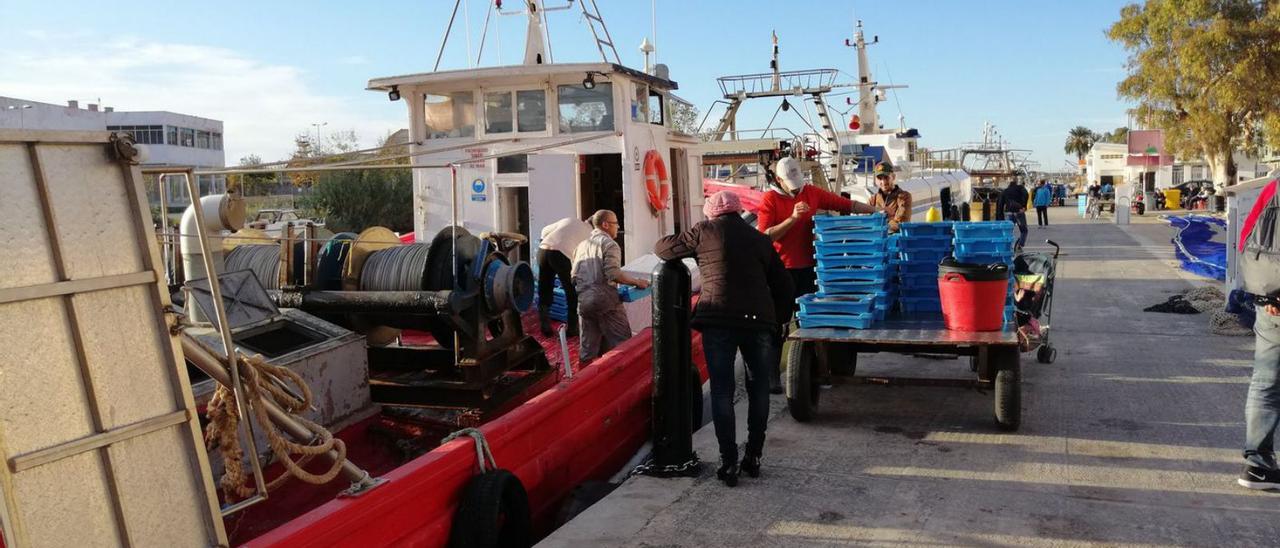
809 79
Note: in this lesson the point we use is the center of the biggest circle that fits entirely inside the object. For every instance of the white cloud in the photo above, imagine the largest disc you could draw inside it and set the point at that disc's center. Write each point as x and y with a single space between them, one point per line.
263 106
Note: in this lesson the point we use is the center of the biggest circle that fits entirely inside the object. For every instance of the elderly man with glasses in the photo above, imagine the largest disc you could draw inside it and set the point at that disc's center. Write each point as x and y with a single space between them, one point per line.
597 271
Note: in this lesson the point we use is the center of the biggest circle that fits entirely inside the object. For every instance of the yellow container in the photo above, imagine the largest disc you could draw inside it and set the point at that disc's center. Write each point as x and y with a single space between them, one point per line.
1172 198
975 210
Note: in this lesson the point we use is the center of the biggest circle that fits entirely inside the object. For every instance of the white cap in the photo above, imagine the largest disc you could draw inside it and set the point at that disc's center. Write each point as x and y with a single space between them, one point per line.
789 175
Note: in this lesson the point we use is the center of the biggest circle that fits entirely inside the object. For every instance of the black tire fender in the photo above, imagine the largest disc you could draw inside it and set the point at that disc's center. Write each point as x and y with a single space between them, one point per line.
493 512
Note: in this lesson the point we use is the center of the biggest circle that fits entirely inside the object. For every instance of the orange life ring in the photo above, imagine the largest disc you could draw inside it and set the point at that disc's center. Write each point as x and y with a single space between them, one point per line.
656 183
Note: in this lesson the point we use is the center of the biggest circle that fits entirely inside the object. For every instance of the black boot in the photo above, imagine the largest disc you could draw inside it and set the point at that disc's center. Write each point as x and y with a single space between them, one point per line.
728 473
751 465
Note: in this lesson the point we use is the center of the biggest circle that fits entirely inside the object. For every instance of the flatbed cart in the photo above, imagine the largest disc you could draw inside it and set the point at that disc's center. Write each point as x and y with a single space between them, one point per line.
812 354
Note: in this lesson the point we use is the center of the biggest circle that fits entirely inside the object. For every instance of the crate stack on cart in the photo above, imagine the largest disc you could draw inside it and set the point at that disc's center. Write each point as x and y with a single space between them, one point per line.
855 287
988 242
921 247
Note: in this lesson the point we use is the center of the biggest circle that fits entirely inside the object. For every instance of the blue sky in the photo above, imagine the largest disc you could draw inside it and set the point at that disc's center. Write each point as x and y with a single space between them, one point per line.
270 69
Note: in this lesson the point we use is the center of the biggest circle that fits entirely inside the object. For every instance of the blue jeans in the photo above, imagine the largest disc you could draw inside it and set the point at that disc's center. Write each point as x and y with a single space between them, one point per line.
760 352
1262 406
1019 219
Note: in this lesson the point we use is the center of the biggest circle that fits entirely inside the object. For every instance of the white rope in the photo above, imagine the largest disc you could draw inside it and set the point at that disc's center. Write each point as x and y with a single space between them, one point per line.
482 448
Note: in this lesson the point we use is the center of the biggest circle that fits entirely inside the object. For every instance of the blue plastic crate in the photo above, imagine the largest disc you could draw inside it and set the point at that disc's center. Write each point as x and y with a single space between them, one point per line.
922 267
920 292
985 258
823 222
853 274
828 287
828 249
932 256
893 242
849 321
913 230
985 246
850 235
919 279
916 305
930 243
630 293
860 260
982 229
842 304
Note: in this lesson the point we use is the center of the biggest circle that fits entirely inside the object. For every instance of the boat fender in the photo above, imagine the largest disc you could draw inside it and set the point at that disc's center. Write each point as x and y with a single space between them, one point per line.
656 183
493 511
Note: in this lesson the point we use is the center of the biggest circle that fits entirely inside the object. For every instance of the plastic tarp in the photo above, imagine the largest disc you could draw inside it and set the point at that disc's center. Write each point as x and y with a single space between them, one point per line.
1194 245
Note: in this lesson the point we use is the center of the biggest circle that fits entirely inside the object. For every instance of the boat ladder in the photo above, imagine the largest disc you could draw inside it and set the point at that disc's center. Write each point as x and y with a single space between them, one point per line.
592 13
832 141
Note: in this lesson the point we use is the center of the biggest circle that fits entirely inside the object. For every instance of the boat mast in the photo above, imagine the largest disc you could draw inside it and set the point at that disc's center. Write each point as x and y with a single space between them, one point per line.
866 86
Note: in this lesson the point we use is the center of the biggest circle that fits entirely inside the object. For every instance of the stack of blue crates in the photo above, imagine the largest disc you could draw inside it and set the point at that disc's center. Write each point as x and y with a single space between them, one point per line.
988 242
560 303
921 247
854 283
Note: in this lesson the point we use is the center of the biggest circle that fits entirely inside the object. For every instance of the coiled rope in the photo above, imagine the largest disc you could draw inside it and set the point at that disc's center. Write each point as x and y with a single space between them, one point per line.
399 268
262 380
262 260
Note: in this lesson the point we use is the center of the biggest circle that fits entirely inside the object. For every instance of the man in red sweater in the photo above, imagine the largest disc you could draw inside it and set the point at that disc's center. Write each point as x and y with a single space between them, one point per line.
786 216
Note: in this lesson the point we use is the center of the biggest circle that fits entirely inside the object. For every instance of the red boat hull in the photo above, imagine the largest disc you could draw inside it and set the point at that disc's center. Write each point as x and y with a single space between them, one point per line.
580 430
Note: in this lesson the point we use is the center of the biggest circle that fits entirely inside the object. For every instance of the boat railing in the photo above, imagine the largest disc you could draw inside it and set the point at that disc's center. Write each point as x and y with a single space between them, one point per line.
768 83
776 133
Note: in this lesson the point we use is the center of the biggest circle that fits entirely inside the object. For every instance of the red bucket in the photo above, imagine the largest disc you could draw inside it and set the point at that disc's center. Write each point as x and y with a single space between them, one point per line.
973 295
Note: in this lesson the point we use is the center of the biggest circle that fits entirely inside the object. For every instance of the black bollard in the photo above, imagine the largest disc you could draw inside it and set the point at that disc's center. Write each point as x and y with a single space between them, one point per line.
673 382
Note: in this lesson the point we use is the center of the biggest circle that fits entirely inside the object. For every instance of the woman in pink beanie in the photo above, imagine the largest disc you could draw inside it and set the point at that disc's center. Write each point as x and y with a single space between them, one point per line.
744 290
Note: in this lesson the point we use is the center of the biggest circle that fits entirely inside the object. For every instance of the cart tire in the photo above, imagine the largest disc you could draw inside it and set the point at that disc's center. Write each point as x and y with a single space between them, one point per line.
1046 354
802 387
1008 391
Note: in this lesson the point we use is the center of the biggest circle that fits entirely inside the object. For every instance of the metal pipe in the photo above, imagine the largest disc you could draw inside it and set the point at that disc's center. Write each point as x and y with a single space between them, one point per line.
341 302
212 365
224 327
564 351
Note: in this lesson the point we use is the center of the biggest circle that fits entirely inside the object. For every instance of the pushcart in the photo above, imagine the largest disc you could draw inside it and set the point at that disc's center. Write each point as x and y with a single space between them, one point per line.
812 354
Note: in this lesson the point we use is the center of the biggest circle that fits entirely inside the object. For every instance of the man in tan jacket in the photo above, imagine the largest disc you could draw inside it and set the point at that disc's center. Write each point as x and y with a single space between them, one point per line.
893 201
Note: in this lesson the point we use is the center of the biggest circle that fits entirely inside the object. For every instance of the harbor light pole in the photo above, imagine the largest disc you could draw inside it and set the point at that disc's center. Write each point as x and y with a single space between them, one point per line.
22 116
318 125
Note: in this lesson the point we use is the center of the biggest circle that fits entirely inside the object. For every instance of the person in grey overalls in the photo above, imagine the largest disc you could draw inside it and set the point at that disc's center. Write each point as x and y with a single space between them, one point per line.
597 271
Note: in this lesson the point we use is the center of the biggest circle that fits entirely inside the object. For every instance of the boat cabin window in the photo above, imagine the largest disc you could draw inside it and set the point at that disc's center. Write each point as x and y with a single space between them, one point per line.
640 104
657 108
451 115
583 110
518 163
529 114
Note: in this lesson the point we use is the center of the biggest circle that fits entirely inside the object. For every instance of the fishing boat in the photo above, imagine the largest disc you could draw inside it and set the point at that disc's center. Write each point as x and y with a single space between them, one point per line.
954 181
451 416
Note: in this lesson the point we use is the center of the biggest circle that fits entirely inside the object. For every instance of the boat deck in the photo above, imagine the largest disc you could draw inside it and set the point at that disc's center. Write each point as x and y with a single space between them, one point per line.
1131 438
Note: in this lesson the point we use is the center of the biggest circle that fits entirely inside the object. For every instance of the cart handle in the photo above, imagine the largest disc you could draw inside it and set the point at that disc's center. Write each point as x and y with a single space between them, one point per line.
1056 248
953 276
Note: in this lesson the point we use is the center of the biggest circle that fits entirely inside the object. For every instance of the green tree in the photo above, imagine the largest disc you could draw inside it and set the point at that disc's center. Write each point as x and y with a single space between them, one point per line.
684 116
1118 136
1079 140
1207 72
252 184
360 198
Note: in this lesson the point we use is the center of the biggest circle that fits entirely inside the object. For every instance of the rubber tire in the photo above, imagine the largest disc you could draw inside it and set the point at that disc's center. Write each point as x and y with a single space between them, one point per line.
1046 354
802 387
1008 391
493 512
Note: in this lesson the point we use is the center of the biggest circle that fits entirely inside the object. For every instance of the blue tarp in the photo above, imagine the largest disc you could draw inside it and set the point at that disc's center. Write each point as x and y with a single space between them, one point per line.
1193 244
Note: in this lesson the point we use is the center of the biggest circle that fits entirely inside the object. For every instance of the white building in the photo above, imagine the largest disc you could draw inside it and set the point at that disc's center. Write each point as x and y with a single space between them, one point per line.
1106 163
172 139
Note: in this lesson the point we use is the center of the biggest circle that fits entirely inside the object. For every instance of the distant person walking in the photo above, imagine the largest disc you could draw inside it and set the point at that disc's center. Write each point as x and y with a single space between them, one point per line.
555 260
745 290
1013 202
1044 197
597 271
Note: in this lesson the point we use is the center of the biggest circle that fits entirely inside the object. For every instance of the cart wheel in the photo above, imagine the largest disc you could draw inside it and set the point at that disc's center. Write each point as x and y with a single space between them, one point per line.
841 360
1046 354
1008 388
802 387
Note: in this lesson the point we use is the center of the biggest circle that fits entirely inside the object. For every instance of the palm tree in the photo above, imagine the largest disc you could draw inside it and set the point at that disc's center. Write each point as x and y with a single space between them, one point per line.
1079 140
